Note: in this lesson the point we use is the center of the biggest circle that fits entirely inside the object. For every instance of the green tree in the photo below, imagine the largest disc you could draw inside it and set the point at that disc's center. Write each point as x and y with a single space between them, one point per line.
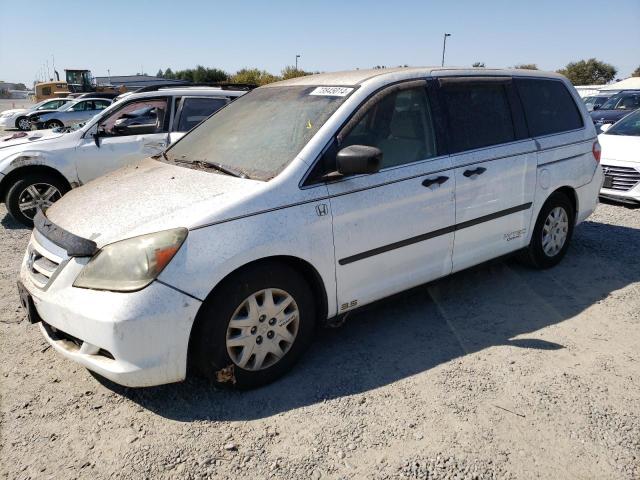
526 66
168 73
478 65
253 76
292 72
636 72
160 74
589 72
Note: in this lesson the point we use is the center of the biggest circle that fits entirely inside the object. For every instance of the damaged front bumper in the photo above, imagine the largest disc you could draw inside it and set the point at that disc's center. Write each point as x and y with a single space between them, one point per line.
135 339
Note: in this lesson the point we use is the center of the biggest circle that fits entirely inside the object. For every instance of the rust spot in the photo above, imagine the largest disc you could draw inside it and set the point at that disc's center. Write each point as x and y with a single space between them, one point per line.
226 375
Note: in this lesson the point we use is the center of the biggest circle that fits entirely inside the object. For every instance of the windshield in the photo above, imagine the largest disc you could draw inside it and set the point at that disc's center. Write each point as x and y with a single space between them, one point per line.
262 132
629 125
622 101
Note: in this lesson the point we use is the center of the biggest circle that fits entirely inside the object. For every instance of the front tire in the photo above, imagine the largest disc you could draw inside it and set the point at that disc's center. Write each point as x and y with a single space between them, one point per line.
27 194
22 123
254 327
552 233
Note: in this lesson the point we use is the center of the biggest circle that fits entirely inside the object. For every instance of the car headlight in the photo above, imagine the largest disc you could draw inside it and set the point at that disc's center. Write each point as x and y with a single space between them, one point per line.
131 264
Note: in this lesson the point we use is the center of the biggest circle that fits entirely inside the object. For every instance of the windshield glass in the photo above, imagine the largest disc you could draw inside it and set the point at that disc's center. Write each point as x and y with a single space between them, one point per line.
622 101
629 125
262 132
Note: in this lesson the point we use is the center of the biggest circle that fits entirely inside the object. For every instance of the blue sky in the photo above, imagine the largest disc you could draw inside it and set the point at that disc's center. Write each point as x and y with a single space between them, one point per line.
126 36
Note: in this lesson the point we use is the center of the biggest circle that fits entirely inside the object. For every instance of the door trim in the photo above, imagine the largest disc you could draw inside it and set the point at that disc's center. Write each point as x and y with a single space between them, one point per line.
433 234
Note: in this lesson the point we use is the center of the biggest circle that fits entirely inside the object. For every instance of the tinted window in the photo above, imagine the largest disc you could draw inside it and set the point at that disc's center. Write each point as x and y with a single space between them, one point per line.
137 118
629 125
195 110
548 106
623 101
400 125
479 116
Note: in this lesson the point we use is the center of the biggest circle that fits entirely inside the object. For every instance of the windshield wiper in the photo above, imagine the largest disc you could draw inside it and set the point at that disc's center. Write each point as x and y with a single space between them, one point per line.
216 166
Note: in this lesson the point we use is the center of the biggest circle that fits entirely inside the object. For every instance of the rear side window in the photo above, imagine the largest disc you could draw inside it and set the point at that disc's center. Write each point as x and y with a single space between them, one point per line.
548 106
195 110
479 116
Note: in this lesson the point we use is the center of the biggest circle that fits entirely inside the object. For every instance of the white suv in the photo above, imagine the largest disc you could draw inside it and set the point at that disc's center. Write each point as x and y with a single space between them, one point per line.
300 202
37 168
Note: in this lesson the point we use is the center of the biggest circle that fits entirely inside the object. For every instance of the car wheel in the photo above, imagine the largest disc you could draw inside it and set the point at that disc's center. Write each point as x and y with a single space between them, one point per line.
26 195
23 124
54 124
552 233
254 327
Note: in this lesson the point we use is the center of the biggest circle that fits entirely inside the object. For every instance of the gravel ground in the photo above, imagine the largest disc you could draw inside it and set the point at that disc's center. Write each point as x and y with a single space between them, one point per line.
496 372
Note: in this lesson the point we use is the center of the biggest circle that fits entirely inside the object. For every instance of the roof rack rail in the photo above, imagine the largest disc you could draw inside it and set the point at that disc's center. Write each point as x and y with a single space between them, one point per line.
221 85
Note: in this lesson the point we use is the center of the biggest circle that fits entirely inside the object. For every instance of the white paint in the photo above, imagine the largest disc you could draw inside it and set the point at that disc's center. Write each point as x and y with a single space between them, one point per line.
234 222
332 91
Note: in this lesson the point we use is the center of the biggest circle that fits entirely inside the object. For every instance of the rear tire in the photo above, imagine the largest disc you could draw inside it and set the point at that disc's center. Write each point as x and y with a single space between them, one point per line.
53 124
226 329
552 232
36 190
22 123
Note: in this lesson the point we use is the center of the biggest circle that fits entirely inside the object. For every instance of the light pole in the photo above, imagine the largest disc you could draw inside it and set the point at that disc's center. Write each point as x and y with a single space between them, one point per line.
297 57
444 46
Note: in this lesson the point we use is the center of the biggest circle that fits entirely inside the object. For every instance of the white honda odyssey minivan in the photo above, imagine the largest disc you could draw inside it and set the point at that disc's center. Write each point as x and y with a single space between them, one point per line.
300 202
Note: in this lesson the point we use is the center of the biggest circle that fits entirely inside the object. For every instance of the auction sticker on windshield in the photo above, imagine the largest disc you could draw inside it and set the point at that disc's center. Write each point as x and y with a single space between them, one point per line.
332 91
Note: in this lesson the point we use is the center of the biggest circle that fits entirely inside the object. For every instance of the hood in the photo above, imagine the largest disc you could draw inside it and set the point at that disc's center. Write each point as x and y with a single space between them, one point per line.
39 113
608 115
620 147
146 197
32 137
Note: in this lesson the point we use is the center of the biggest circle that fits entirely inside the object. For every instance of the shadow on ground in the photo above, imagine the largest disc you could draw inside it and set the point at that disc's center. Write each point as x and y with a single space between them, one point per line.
10 224
467 312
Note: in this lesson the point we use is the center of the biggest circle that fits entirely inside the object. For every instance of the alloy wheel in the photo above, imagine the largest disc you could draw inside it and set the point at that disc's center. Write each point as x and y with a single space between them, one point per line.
37 195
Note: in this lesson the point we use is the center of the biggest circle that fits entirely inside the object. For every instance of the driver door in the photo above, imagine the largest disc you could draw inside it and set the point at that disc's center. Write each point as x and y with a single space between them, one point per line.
139 129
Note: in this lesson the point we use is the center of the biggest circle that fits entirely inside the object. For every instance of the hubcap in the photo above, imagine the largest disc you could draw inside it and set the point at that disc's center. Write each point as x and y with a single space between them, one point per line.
254 343
38 195
24 124
555 231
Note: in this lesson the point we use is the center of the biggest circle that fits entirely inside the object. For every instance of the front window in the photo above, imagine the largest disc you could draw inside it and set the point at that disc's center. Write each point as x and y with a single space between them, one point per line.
136 118
263 131
629 125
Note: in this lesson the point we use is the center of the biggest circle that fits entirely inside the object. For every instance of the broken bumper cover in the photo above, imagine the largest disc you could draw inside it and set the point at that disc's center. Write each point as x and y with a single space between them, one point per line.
135 339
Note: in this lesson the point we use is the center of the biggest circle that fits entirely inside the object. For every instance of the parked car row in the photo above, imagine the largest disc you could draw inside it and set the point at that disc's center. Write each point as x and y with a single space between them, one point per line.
37 168
294 205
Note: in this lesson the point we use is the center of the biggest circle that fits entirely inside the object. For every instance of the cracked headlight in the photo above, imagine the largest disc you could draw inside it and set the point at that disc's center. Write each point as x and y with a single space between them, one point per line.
131 264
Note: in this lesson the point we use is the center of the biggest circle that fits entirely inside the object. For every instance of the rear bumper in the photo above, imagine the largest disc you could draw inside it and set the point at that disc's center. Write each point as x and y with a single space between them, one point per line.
135 339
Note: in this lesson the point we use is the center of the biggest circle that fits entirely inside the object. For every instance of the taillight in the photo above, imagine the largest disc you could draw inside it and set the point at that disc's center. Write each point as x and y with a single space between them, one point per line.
596 150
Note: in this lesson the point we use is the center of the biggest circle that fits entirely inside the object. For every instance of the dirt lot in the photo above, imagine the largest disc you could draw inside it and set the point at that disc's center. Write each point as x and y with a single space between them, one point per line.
497 372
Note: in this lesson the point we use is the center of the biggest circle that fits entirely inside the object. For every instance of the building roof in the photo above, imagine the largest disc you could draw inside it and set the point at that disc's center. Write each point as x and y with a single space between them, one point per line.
631 83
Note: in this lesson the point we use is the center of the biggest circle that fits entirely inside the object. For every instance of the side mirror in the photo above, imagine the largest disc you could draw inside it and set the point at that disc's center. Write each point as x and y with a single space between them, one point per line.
596 106
357 159
605 126
98 133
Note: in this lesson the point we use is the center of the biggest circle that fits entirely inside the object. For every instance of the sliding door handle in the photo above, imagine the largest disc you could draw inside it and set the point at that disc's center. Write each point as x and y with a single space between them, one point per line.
432 181
477 171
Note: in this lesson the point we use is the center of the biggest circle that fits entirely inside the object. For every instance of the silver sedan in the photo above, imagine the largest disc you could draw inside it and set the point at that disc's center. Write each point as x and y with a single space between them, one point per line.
69 115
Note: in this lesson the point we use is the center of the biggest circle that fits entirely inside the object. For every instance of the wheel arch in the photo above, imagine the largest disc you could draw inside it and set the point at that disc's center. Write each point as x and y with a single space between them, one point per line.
572 195
308 271
13 175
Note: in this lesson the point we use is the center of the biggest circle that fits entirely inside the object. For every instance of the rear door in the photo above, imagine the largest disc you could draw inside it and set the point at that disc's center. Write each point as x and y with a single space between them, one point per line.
392 229
494 164
136 130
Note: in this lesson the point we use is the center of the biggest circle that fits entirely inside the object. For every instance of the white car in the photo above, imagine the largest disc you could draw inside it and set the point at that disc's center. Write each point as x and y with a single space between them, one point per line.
38 167
19 117
621 159
300 202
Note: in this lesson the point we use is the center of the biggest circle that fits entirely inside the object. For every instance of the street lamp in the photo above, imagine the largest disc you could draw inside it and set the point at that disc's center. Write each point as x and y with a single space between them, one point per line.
297 57
444 46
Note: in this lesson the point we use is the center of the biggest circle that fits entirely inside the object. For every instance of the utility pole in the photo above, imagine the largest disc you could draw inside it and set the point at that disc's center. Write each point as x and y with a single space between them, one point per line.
444 46
297 57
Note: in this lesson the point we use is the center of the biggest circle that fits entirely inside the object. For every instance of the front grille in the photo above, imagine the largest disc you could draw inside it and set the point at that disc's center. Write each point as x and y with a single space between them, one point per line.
623 178
42 264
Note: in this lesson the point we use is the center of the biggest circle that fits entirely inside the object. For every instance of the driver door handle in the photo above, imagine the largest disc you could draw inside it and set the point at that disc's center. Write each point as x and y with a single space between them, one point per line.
433 181
477 171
